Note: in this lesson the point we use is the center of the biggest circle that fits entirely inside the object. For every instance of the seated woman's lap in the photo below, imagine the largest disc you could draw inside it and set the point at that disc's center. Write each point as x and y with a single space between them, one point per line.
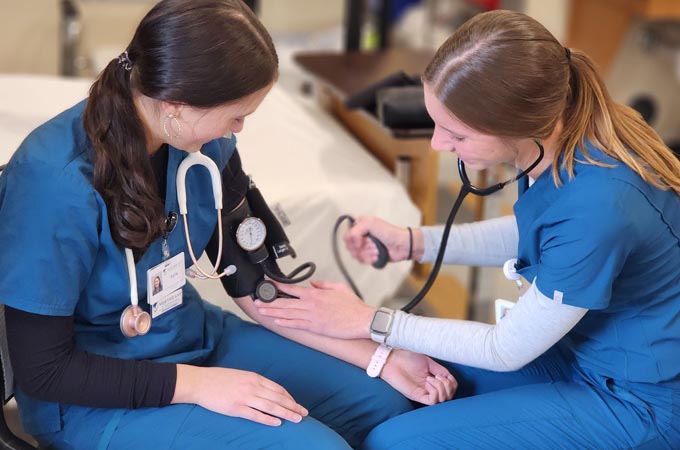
344 404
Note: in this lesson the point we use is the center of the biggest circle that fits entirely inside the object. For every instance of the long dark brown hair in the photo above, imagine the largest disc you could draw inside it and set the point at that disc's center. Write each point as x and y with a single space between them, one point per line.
201 53
502 73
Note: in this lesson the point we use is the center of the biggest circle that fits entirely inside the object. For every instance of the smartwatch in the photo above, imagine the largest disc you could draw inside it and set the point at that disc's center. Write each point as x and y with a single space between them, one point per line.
381 325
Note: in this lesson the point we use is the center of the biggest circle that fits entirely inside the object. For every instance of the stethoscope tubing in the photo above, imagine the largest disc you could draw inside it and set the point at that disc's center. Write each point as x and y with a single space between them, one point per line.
466 188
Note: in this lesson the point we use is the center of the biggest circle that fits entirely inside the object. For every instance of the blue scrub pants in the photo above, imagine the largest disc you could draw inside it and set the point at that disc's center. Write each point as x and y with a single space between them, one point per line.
548 404
344 405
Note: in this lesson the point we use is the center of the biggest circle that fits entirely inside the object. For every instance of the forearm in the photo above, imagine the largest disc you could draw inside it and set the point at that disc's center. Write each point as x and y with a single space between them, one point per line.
487 243
354 351
534 325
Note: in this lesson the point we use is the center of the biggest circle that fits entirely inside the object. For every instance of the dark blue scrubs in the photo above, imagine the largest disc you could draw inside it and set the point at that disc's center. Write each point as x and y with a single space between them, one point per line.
609 242
58 258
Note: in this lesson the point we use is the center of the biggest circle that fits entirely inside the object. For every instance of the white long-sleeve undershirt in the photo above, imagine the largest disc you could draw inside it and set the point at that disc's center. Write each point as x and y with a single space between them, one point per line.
486 243
530 328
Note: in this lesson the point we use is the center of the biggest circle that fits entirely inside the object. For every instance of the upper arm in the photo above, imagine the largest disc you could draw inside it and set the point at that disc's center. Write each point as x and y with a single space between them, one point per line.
50 237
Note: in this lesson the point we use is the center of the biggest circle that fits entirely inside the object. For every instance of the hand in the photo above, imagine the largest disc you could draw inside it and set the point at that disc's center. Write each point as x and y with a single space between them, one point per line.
326 308
396 239
236 393
418 377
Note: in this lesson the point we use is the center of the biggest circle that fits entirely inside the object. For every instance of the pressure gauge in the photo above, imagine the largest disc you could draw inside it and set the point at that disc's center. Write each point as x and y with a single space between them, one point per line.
250 234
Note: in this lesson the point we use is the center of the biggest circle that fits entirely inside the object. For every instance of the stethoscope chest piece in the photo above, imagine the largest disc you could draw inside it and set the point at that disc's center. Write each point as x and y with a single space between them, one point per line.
135 321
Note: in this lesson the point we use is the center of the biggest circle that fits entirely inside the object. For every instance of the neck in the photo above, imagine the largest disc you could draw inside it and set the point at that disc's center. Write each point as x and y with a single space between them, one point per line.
529 152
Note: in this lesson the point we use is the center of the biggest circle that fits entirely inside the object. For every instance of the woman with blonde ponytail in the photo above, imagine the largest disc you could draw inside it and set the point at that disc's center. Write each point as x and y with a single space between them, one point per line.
589 356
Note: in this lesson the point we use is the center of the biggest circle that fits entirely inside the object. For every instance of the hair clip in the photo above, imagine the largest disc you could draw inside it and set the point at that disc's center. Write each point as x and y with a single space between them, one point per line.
124 60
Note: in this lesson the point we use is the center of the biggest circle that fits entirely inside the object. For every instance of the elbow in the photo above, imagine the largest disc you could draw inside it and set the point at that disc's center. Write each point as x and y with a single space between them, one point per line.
37 387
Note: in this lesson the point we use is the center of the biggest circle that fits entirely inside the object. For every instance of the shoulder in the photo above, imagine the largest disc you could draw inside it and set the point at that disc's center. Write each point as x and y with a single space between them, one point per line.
56 151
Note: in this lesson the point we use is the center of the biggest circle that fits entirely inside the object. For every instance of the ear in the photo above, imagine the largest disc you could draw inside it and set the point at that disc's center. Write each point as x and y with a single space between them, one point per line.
170 108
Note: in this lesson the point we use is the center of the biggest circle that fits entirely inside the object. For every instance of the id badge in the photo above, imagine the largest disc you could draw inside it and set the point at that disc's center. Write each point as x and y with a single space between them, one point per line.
164 285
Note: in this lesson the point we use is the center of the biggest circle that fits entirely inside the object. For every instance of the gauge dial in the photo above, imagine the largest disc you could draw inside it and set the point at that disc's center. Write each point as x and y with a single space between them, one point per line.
250 234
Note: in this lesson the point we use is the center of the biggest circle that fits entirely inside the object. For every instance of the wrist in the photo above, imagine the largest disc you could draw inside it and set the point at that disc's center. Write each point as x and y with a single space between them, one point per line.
364 329
405 246
418 249
381 325
378 360
185 386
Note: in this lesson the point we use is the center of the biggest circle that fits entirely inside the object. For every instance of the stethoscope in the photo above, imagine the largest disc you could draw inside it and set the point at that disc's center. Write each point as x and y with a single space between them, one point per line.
465 189
134 321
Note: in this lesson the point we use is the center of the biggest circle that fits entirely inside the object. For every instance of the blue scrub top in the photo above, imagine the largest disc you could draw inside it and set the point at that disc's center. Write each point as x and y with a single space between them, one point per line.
608 241
58 257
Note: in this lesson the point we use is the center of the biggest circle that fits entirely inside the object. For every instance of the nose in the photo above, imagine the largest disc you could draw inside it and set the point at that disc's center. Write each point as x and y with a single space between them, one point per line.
237 126
440 141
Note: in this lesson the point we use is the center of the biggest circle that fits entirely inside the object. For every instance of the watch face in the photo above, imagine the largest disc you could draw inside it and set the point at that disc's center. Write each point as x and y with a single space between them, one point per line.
381 322
250 233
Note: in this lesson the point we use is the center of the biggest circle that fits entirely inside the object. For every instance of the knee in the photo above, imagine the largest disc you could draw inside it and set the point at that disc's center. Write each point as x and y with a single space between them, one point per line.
309 433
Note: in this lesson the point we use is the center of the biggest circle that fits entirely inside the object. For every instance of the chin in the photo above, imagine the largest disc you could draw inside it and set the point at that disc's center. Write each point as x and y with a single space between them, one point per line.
475 165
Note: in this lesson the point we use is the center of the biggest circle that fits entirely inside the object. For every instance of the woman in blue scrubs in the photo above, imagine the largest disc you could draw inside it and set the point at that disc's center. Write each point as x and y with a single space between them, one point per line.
588 358
96 184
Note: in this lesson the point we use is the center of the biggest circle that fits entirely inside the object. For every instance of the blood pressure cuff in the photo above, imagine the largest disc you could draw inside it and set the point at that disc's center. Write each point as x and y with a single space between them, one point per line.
238 196
247 275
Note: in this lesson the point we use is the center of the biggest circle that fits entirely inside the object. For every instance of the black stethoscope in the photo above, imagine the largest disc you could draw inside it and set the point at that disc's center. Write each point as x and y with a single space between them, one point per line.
465 189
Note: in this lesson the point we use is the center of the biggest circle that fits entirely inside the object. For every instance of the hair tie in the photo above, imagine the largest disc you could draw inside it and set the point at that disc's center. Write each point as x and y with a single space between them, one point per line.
568 53
410 243
124 60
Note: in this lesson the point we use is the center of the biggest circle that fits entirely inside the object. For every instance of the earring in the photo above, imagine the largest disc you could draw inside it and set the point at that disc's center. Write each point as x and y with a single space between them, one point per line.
168 122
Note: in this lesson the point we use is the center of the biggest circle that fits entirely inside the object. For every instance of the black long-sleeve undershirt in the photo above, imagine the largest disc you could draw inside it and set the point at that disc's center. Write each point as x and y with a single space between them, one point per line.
48 366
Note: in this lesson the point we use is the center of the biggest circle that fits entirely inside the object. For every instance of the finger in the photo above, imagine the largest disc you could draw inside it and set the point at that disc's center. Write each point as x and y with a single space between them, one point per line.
254 415
273 387
369 251
274 409
283 400
294 289
438 369
284 313
421 395
330 285
439 386
354 237
282 303
430 395
296 324
449 388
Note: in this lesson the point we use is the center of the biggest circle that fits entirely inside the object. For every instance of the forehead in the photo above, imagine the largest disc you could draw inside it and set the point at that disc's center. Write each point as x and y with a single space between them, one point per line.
240 107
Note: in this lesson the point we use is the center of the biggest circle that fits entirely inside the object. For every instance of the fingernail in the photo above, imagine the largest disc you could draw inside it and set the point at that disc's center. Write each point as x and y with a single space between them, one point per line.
297 419
430 379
